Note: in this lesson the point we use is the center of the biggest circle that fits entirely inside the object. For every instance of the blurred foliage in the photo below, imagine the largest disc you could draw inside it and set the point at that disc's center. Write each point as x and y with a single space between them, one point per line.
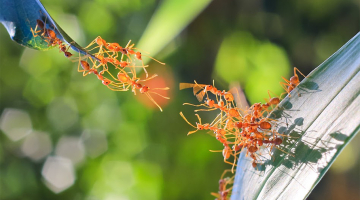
148 155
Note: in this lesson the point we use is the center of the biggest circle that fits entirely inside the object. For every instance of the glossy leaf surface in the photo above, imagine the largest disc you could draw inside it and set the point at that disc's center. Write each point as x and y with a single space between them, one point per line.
321 117
19 16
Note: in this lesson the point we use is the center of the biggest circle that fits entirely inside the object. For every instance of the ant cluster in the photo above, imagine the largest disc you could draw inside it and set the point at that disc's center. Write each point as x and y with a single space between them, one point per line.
238 130
121 77
50 37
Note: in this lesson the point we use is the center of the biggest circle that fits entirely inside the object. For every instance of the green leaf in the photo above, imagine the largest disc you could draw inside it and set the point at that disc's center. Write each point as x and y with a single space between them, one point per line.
19 16
321 116
168 21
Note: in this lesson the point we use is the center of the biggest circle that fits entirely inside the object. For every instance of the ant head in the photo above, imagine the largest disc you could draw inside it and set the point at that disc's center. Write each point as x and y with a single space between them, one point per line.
144 89
208 87
68 54
138 55
199 126
256 106
210 102
106 81
218 136
228 96
122 50
238 124
221 103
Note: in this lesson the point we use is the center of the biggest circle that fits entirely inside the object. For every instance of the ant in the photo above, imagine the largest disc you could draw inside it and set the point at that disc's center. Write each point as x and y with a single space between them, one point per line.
39 24
291 84
198 126
143 89
100 42
48 34
50 37
200 90
223 192
86 68
63 48
129 50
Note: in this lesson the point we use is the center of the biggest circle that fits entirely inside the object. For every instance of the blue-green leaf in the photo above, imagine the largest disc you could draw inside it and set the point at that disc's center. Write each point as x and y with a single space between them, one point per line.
321 116
19 16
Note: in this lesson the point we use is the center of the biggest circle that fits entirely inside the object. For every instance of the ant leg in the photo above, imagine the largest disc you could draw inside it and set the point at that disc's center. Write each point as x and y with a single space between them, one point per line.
285 87
296 69
35 32
198 118
182 115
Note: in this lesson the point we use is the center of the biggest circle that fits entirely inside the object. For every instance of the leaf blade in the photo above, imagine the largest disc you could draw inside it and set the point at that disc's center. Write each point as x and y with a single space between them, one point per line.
326 110
168 21
20 16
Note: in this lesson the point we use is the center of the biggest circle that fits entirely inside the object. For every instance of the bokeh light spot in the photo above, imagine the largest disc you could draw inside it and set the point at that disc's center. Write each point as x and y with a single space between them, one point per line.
58 173
36 145
95 142
15 123
71 148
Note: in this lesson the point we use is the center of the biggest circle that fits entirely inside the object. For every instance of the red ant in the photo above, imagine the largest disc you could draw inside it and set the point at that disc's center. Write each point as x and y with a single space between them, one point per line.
129 50
39 24
63 48
291 84
200 90
100 42
50 37
134 83
198 126
224 192
86 68
231 112
48 34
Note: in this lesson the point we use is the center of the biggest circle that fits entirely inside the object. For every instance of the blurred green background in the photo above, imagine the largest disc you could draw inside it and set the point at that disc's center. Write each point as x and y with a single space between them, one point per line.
65 136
